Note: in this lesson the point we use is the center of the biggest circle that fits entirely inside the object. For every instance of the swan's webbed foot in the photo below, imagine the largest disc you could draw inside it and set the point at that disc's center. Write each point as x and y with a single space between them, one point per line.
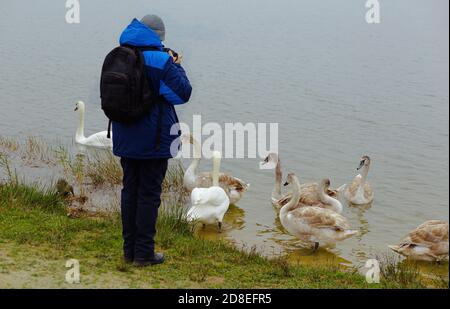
219 227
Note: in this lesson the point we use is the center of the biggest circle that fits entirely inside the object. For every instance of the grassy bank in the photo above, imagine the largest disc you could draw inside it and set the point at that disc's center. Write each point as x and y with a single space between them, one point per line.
37 237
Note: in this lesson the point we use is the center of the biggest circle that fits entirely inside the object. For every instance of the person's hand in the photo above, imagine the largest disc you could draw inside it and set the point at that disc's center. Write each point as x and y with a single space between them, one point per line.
177 59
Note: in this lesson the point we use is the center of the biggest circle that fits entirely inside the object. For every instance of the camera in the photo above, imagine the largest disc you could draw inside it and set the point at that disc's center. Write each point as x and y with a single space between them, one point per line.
174 53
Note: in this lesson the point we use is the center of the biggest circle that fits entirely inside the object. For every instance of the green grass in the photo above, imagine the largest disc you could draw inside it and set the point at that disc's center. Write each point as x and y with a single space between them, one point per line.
37 236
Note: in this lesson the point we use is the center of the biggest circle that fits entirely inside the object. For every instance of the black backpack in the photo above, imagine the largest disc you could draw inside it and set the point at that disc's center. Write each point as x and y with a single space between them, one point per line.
124 90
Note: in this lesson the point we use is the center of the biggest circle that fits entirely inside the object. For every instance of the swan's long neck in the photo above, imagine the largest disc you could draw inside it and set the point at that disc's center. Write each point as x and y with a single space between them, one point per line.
276 193
364 172
295 197
215 171
326 199
80 129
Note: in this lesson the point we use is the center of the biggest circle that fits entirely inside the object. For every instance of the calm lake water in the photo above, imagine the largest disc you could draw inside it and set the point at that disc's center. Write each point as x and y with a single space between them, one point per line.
339 88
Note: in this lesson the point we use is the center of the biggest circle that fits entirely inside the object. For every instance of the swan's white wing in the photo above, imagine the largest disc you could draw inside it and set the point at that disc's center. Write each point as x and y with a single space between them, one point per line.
99 139
217 196
212 196
196 195
209 204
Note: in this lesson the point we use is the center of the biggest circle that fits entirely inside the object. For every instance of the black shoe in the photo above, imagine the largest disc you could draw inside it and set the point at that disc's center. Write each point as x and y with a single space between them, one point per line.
158 258
127 260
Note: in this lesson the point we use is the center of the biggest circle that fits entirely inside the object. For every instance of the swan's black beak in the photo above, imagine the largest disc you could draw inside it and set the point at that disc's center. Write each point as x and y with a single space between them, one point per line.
76 108
361 164
286 184
266 160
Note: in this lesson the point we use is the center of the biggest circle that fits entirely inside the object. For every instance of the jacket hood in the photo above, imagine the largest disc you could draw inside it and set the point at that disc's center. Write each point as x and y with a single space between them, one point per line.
138 34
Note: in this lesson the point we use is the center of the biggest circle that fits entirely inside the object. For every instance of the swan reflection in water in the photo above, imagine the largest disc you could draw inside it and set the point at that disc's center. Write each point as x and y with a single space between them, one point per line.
233 220
298 252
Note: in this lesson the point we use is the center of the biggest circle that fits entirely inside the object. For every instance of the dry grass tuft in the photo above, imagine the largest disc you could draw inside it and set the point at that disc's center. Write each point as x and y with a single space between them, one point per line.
5 165
402 274
104 168
73 167
173 183
8 144
36 150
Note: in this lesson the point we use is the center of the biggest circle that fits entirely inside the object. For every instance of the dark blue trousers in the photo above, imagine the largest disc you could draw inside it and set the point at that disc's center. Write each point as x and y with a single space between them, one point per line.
140 200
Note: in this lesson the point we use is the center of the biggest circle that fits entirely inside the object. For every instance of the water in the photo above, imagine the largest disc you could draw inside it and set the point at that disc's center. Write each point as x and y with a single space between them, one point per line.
339 88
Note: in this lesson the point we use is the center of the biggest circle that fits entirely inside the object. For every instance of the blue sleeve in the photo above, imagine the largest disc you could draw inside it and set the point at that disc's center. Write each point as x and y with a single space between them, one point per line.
174 85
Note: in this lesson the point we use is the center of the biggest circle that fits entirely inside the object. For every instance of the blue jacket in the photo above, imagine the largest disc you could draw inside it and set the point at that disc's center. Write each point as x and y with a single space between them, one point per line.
169 82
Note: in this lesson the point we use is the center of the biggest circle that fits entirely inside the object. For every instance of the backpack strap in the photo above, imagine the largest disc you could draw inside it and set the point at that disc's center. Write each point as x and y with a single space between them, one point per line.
142 48
148 48
108 135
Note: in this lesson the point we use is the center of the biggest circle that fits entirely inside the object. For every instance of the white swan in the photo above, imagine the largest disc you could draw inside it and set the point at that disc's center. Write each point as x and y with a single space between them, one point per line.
233 186
311 194
99 139
209 205
315 225
427 242
359 192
